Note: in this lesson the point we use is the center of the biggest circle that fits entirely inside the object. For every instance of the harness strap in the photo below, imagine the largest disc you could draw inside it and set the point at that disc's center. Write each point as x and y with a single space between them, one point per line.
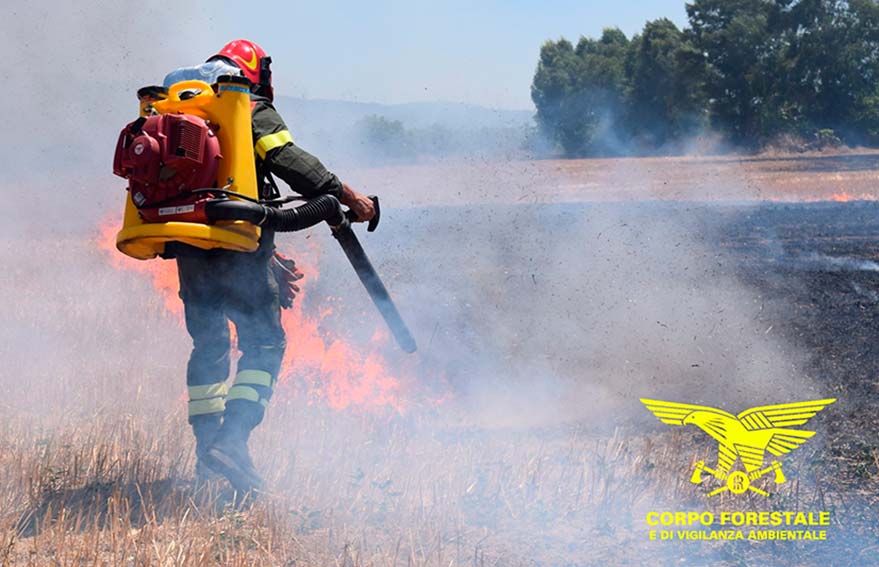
262 147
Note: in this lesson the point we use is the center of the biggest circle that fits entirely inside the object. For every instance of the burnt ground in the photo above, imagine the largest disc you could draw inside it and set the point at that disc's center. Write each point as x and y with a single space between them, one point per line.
814 268
818 265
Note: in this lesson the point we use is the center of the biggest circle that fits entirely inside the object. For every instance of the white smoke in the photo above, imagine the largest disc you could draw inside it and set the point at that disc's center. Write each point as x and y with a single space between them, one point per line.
539 309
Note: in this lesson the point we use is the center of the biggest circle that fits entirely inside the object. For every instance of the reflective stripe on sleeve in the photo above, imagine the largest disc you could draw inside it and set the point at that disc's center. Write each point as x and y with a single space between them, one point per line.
271 141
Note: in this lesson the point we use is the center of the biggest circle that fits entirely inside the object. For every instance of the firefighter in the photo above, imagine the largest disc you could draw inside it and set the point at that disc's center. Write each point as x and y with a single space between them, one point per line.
248 289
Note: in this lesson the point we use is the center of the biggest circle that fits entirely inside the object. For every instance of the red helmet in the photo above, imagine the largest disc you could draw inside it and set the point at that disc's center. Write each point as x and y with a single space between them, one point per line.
253 62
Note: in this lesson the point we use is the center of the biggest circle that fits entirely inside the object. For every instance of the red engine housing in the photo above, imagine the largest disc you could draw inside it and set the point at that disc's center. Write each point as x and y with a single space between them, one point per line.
164 158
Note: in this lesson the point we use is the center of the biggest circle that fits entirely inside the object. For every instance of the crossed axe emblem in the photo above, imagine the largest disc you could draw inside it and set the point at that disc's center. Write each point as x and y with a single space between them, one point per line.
737 482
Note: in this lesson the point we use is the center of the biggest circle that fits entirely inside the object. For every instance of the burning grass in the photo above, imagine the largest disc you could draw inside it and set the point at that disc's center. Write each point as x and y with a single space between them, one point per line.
325 366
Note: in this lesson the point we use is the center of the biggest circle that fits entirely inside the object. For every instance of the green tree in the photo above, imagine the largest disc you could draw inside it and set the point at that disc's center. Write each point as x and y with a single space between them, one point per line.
865 111
601 89
755 68
832 49
666 75
553 86
580 92
744 62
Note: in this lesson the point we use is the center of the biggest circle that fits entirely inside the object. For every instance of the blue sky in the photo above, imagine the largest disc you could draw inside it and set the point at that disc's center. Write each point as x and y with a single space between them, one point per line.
393 51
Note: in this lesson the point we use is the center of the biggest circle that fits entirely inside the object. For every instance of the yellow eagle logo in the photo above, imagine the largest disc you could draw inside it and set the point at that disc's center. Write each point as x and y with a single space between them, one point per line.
747 436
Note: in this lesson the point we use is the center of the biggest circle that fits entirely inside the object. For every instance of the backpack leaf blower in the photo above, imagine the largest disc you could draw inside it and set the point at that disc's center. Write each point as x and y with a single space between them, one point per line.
174 155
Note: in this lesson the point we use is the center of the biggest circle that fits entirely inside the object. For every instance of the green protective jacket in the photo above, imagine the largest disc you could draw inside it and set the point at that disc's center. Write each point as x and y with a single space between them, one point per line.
277 154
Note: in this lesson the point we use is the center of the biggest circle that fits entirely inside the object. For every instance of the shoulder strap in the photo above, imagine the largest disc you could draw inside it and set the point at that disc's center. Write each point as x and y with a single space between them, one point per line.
268 188
274 192
267 185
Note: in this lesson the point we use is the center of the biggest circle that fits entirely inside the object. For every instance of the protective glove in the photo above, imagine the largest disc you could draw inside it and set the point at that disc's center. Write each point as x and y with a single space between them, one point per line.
357 202
286 274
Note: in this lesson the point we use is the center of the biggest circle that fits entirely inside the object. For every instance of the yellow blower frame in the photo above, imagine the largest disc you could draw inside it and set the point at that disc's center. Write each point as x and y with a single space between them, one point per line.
229 108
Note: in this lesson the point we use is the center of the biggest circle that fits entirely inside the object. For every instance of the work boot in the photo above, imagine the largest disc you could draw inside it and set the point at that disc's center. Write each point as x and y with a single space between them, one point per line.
229 457
205 428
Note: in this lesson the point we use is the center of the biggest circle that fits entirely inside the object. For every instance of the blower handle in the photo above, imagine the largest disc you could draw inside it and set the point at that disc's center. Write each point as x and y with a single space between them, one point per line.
373 223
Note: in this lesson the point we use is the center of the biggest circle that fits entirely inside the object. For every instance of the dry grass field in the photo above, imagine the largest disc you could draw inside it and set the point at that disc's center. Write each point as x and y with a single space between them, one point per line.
96 458
797 177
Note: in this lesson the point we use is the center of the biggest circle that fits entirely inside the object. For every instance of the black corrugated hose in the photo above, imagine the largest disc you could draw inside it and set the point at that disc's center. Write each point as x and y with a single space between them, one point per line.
324 208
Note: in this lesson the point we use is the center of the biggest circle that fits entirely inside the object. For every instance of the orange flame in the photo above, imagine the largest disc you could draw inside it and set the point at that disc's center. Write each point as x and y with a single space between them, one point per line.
163 274
844 197
317 366
841 197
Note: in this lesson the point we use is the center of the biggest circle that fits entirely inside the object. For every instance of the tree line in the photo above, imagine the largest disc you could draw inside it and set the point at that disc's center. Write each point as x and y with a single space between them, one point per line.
751 70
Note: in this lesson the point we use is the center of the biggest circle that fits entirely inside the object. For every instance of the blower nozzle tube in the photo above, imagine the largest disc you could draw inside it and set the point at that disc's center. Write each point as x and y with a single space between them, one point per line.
324 208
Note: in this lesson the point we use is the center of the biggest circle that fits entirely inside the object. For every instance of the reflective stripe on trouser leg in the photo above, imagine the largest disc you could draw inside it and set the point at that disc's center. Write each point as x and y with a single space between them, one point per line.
204 306
207 399
253 306
249 396
252 385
